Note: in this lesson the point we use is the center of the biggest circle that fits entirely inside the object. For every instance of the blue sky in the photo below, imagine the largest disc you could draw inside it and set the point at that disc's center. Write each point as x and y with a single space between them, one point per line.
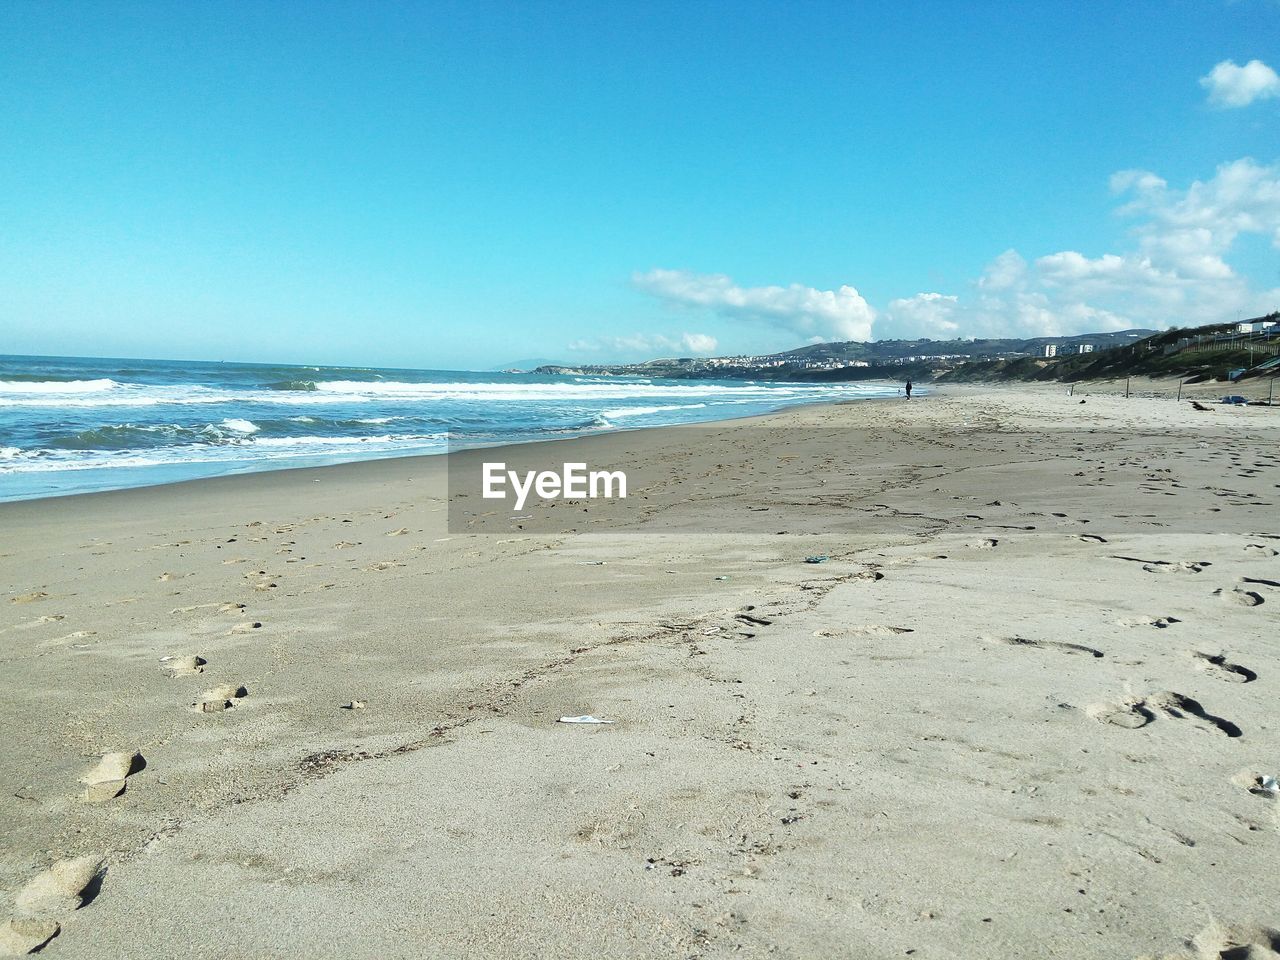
462 185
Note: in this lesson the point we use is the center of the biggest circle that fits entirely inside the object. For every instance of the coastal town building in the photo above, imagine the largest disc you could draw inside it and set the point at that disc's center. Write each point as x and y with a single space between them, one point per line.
1259 325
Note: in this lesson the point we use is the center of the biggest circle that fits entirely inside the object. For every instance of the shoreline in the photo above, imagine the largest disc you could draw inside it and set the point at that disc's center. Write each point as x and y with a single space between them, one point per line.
519 445
1141 388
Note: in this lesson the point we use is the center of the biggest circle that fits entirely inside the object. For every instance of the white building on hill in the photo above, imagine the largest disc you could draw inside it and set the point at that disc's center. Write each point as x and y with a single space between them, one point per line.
1254 326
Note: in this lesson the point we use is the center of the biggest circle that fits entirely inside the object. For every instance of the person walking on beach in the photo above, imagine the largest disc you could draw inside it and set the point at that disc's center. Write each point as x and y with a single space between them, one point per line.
908 389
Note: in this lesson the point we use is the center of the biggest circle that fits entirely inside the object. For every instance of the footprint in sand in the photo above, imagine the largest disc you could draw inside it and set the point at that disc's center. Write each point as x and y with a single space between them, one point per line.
1216 665
1260 550
23 935
987 544
1063 647
1239 597
67 638
183 666
1220 942
247 627
1181 566
748 617
218 699
1134 712
1092 538
1167 566
1160 623
107 779
29 597
64 887
870 630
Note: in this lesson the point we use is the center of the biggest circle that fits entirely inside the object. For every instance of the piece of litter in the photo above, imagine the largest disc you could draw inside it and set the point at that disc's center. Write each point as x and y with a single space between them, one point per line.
722 578
591 563
584 719
354 705
816 559
1267 784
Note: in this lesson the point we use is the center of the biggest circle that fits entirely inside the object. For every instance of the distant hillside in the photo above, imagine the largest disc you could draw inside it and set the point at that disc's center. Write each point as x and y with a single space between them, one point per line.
974 348
525 365
852 359
1211 352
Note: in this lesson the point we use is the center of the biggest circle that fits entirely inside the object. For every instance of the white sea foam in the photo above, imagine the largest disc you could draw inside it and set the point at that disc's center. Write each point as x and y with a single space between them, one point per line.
109 393
622 412
245 450
201 429
615 389
56 386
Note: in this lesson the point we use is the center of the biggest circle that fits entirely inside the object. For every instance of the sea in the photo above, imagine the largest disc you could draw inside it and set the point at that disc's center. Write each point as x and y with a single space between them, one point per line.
77 424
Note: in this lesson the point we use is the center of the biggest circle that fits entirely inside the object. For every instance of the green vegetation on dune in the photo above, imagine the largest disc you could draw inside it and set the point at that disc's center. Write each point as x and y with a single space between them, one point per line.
1202 353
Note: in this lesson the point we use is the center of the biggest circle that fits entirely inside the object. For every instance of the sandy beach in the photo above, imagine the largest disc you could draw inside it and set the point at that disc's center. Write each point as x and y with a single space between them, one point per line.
1026 706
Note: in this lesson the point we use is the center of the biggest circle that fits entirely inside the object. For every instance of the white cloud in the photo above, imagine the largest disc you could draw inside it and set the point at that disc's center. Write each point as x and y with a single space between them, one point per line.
699 343
929 315
1141 181
1175 273
1174 270
840 314
1231 85
648 344
1004 272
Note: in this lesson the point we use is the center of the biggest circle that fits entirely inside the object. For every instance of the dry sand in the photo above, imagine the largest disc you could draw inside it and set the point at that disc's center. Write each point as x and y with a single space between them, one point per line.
1016 713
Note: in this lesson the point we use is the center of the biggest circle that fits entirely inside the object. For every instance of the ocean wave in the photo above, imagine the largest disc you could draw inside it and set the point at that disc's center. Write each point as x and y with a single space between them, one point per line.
117 419
281 449
115 437
25 386
283 443
110 393
623 412
122 436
